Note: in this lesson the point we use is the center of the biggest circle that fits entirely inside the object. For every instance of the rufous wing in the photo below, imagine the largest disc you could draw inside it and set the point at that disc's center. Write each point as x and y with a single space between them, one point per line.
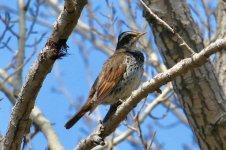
111 73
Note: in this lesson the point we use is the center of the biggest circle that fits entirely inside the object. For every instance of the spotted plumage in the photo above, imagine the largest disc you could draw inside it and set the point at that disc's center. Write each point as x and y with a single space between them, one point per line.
120 75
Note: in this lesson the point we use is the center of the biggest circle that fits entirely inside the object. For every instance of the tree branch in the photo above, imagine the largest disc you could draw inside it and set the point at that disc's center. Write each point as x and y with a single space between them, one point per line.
198 91
20 53
39 120
103 130
19 121
221 33
160 99
163 23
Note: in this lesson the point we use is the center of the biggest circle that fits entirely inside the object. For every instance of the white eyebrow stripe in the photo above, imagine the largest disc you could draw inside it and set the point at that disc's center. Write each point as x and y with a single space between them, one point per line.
127 33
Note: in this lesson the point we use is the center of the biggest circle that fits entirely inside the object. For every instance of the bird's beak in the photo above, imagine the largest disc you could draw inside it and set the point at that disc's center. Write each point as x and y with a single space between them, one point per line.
137 36
140 34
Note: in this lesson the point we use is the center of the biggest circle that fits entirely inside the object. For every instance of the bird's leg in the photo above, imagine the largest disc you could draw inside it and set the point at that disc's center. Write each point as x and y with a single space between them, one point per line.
111 111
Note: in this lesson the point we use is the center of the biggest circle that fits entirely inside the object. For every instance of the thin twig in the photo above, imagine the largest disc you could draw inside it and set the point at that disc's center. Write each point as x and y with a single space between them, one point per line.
164 24
152 140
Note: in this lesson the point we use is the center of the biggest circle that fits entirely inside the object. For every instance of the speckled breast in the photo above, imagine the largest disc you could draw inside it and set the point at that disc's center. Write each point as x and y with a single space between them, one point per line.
131 78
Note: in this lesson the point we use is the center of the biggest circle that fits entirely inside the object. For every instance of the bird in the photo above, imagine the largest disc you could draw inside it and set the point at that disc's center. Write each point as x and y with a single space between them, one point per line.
121 74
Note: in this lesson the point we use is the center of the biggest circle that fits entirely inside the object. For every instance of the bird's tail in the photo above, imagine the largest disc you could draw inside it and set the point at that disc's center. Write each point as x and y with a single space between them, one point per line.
77 116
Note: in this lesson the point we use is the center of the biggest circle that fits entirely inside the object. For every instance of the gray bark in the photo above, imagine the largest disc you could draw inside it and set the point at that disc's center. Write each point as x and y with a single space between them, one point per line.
221 33
198 90
103 130
19 121
39 120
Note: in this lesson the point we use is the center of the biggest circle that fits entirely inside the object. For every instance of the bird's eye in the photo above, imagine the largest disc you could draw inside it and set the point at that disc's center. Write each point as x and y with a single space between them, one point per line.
128 37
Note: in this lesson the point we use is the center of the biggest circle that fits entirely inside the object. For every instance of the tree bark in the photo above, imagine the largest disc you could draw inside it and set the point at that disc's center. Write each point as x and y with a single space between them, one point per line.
19 120
39 120
221 33
198 90
103 130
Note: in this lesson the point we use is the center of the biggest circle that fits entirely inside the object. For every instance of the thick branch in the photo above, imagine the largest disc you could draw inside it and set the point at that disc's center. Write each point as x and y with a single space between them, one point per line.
39 120
96 138
19 121
221 33
198 91
160 99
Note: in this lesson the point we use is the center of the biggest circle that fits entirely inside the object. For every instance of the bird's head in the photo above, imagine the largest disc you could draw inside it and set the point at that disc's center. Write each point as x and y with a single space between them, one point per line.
128 39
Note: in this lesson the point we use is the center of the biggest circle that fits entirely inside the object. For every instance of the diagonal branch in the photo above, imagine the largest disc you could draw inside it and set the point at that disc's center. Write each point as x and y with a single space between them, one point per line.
103 130
19 121
39 120
161 22
160 99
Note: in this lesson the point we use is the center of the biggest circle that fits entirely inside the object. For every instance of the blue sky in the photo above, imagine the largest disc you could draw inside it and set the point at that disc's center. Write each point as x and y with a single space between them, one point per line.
73 75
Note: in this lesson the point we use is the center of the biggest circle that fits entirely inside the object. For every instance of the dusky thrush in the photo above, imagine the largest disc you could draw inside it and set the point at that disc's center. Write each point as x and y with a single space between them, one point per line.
120 75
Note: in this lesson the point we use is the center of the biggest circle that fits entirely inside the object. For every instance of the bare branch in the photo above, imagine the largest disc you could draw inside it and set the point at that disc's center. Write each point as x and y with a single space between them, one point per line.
25 103
4 74
103 130
221 33
19 68
177 113
151 141
46 127
21 50
163 23
162 98
39 120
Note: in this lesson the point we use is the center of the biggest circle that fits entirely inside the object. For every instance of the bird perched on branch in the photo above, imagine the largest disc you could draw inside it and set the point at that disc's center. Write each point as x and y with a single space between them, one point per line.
120 75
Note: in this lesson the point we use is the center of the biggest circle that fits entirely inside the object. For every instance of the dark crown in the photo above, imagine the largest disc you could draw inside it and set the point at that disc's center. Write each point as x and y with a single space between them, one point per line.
125 38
